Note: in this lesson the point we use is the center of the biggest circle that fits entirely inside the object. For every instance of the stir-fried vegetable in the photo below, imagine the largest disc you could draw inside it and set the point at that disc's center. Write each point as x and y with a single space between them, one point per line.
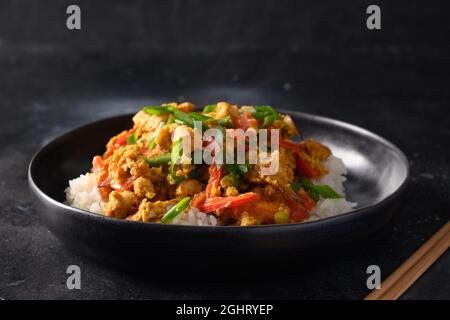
132 138
122 138
209 108
171 119
315 190
178 115
176 210
265 113
160 160
156 110
324 190
240 169
177 149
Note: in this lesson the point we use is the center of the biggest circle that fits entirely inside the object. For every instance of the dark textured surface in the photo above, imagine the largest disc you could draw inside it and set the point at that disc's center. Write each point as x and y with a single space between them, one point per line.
317 58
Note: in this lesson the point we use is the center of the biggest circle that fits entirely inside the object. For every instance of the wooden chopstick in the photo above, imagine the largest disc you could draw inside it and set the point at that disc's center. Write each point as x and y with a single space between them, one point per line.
405 275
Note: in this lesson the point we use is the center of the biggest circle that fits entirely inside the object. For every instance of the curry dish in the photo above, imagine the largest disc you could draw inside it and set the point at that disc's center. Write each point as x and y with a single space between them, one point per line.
140 177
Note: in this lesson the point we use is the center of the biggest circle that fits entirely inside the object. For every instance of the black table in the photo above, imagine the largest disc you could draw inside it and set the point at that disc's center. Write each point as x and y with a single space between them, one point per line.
396 89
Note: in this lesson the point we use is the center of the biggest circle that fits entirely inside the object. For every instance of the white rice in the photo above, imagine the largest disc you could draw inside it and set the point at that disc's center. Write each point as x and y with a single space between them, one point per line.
82 193
335 178
195 218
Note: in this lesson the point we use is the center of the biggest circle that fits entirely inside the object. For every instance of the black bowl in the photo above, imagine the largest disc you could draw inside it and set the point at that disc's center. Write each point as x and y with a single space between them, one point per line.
378 174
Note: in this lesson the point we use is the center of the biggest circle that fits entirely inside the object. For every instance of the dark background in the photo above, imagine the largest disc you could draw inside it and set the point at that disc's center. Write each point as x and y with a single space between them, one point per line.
313 56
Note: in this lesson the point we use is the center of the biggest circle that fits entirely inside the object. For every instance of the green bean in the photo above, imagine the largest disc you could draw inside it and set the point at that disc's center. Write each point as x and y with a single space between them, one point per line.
209 108
175 210
160 160
156 110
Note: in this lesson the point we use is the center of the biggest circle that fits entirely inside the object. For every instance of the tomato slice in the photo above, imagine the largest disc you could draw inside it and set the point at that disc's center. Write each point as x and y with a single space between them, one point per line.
215 175
216 203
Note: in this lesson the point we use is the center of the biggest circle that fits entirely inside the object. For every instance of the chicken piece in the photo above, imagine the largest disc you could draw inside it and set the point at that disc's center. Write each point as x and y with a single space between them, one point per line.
143 187
224 109
186 107
156 175
316 150
285 174
145 122
282 177
163 192
164 137
125 162
248 220
135 217
188 187
152 210
121 204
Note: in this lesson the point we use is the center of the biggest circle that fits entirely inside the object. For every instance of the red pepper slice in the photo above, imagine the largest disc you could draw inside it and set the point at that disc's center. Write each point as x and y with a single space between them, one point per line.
121 140
304 168
216 203
123 137
215 175
97 164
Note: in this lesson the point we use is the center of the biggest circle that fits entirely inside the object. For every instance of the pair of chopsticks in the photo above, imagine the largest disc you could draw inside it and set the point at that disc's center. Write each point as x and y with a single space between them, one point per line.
405 275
